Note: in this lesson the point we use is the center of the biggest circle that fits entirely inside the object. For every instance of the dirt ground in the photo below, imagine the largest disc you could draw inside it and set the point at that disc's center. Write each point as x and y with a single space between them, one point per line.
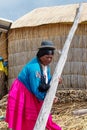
62 115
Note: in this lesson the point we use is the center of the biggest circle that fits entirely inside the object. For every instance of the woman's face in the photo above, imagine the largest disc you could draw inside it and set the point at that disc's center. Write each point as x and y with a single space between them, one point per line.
46 59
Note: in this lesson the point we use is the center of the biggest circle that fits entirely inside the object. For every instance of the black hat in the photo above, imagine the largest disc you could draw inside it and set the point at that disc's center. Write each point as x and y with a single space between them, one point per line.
47 44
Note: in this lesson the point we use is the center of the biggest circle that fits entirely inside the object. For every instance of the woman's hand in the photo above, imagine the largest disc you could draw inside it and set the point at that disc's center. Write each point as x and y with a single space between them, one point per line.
60 80
55 100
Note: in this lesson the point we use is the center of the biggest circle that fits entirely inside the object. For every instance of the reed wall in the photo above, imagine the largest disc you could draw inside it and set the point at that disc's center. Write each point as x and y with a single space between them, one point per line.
23 44
3 46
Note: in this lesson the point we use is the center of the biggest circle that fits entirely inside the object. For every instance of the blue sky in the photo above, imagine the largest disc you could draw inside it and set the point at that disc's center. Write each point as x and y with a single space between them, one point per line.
14 9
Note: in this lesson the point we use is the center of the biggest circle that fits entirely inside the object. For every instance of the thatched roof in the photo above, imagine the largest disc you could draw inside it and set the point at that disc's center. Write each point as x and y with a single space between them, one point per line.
55 14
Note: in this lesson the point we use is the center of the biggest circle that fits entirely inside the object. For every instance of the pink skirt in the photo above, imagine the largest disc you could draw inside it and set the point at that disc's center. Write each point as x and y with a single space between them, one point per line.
23 109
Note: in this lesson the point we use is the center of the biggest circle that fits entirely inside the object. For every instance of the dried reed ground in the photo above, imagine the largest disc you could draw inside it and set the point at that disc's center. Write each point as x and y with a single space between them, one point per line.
62 114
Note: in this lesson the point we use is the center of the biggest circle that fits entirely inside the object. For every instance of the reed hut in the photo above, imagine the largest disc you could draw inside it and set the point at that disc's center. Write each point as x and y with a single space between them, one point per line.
50 23
4 28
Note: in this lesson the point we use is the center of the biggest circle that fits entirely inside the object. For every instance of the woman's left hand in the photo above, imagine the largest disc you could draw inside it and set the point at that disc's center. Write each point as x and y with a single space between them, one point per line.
55 100
60 80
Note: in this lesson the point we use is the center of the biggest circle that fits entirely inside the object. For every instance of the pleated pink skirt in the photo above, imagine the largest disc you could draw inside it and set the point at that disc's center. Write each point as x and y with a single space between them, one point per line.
23 109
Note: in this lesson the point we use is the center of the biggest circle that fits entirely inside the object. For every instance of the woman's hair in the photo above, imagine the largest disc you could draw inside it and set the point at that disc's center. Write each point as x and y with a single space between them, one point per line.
45 51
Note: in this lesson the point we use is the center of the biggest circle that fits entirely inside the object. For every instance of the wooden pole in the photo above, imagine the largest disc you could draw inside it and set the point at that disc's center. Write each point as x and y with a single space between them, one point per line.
80 112
48 101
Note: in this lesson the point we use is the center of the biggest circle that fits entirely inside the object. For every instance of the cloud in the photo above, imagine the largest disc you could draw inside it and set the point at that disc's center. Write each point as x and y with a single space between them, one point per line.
5 3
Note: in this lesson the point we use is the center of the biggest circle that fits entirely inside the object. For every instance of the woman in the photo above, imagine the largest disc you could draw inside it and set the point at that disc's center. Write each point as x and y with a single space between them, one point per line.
28 91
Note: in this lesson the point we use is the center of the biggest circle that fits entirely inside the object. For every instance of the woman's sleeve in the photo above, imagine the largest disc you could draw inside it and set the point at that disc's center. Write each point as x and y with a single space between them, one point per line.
34 81
49 75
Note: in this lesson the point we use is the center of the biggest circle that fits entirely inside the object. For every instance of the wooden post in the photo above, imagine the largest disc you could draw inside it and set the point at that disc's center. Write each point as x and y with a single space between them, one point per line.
48 101
80 112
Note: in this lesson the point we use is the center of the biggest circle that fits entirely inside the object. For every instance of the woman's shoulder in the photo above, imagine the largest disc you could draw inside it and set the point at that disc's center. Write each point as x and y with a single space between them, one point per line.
33 64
